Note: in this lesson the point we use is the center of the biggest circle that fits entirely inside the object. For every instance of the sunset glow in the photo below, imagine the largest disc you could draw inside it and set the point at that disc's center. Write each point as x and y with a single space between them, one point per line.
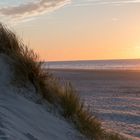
70 69
78 29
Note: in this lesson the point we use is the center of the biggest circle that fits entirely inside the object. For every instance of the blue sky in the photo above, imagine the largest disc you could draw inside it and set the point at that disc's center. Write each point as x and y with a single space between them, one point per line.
13 2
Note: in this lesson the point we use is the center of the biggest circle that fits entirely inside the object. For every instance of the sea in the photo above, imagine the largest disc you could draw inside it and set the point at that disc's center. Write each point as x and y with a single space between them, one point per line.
126 64
111 88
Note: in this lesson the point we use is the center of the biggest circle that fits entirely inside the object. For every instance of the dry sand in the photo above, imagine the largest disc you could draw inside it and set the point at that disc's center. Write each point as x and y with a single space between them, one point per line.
114 96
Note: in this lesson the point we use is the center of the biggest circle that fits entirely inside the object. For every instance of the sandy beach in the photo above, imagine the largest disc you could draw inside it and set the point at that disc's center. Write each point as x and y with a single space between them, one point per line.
114 96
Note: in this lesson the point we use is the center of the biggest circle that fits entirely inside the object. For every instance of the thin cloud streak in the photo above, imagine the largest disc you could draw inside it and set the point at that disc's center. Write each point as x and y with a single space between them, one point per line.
100 2
32 9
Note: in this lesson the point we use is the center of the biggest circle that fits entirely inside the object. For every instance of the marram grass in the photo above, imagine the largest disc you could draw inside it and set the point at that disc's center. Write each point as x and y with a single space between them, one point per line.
28 69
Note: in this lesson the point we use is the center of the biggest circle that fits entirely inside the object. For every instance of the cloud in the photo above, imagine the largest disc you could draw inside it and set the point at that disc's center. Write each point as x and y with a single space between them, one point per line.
106 2
32 9
115 19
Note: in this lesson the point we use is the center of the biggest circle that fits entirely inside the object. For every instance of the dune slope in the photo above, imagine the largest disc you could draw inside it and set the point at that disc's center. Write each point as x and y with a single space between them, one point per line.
22 118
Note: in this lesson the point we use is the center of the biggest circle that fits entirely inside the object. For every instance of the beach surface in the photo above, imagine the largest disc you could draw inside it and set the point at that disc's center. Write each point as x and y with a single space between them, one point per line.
113 96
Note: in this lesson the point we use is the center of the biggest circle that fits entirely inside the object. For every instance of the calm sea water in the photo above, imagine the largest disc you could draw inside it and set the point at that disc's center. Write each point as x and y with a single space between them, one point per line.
131 64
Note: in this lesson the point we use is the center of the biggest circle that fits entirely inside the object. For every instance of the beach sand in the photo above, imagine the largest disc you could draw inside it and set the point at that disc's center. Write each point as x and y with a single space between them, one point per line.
114 96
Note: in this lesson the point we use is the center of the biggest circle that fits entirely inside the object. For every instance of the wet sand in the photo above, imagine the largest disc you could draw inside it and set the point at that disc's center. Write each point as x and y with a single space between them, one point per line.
114 96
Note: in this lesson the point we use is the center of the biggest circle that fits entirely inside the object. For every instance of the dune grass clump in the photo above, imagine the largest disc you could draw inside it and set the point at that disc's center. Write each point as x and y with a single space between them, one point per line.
28 69
74 110
8 41
69 103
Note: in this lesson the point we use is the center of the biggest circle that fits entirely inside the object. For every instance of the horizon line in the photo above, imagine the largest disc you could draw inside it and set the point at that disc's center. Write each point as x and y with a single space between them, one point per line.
91 60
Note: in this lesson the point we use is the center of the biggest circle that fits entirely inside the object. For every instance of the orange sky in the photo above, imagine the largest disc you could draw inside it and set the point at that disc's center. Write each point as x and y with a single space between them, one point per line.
85 30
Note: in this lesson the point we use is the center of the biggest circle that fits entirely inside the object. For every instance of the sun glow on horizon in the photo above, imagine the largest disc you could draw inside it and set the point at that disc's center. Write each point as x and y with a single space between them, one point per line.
85 31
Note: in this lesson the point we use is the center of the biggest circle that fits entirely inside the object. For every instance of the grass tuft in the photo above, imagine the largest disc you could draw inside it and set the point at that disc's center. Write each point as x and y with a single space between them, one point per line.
74 110
69 102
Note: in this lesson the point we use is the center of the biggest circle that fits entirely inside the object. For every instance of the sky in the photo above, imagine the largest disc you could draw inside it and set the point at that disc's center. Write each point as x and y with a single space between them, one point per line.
60 30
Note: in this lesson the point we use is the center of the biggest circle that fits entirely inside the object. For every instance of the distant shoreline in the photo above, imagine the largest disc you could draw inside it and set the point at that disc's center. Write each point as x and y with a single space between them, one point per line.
92 70
105 65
